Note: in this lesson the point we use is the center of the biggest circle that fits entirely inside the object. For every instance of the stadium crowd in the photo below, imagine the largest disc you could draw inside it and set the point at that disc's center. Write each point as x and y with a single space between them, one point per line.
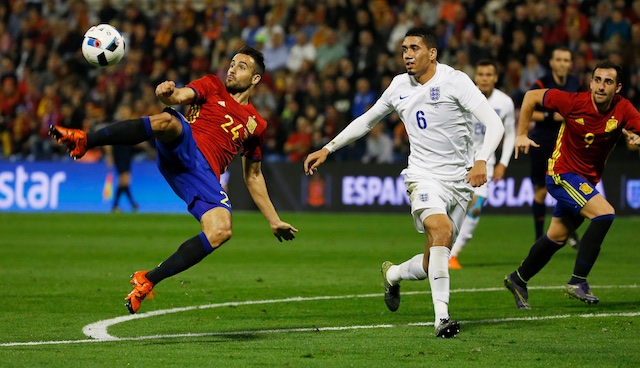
326 61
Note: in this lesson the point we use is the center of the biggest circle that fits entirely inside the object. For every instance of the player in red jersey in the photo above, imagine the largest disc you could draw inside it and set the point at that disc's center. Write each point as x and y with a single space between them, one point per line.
192 152
594 121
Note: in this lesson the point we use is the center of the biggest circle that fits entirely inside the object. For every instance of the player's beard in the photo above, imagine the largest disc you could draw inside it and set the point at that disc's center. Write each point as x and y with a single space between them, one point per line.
237 88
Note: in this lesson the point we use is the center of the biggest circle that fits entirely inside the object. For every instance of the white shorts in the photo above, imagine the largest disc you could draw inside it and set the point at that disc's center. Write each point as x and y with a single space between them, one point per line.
483 190
431 196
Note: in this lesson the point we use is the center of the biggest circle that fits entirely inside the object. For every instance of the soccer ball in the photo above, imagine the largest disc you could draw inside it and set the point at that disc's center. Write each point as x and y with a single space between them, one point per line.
103 45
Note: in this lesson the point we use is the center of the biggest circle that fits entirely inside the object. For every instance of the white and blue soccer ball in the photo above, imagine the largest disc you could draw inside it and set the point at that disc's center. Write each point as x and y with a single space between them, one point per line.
103 45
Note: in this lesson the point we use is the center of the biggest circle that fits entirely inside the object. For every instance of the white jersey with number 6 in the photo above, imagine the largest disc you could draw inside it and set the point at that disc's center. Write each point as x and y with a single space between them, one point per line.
437 117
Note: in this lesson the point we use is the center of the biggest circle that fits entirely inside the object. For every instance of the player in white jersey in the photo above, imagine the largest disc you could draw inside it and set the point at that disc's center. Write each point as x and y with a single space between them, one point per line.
435 103
486 78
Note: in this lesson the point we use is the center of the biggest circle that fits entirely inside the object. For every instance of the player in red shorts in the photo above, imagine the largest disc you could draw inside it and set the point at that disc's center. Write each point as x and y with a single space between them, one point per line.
192 153
594 121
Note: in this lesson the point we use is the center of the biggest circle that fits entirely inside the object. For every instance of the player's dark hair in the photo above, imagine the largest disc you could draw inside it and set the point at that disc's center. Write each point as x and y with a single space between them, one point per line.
428 36
487 62
257 56
562 48
606 64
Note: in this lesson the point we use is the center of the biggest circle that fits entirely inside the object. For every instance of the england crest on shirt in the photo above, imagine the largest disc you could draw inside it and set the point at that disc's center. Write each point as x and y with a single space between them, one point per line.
435 93
633 193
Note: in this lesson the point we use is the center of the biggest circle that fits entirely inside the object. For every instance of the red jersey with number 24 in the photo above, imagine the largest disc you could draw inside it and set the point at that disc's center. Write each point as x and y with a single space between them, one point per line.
586 136
221 126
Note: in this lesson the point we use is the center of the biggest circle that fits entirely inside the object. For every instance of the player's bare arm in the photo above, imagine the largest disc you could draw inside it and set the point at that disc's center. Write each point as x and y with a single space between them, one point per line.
314 160
531 100
170 95
258 190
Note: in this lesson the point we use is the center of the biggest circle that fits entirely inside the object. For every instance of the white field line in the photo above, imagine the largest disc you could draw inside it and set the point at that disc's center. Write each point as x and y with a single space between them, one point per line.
98 330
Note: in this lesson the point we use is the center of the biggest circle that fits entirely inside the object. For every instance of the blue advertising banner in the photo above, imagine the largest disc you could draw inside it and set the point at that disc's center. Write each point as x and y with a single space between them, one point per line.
338 187
80 187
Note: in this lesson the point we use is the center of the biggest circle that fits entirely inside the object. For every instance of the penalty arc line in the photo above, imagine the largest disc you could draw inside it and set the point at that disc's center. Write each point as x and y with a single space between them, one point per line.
98 330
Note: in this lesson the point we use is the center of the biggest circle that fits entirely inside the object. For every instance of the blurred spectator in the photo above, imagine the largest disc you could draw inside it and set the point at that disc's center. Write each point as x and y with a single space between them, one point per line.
300 52
250 31
365 55
532 71
298 143
276 53
379 146
363 99
330 52
616 24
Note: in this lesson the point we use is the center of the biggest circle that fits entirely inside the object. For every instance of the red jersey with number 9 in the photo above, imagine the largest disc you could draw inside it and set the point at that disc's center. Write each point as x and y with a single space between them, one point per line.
586 136
221 126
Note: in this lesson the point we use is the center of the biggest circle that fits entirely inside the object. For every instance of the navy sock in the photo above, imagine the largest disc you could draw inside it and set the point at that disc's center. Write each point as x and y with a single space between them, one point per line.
539 255
127 132
539 211
127 192
590 247
190 252
116 199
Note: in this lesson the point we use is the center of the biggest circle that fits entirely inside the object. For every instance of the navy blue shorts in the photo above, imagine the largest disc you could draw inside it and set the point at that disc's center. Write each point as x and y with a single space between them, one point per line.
572 192
188 172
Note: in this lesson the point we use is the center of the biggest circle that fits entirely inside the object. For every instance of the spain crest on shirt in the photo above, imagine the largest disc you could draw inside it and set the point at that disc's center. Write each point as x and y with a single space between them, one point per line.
612 124
251 124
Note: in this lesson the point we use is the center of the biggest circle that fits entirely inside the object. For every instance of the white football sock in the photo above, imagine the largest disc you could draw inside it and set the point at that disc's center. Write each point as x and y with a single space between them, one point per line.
466 233
407 270
439 281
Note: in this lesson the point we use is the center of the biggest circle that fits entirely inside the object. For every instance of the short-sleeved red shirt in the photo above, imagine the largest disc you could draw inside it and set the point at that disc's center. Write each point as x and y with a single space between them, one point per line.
586 136
221 126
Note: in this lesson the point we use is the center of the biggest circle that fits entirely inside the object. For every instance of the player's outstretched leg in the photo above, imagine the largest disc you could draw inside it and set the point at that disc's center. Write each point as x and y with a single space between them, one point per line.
391 292
142 288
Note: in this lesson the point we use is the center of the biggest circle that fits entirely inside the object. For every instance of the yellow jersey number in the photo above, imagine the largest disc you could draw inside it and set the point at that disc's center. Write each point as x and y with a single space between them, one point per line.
234 130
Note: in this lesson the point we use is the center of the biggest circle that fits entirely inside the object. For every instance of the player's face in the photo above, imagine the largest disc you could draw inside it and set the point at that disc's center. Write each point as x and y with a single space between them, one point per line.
603 85
486 78
417 55
560 63
240 75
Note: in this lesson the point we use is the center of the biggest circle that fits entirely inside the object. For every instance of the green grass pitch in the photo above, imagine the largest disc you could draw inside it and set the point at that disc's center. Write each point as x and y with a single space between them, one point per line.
313 302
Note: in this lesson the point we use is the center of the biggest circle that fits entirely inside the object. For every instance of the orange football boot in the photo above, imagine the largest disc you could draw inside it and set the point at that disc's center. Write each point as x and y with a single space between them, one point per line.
454 264
74 139
141 289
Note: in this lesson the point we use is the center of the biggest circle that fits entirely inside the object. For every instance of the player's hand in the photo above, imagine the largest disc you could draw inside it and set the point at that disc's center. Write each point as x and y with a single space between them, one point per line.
314 160
632 138
498 172
285 231
523 143
478 174
165 89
